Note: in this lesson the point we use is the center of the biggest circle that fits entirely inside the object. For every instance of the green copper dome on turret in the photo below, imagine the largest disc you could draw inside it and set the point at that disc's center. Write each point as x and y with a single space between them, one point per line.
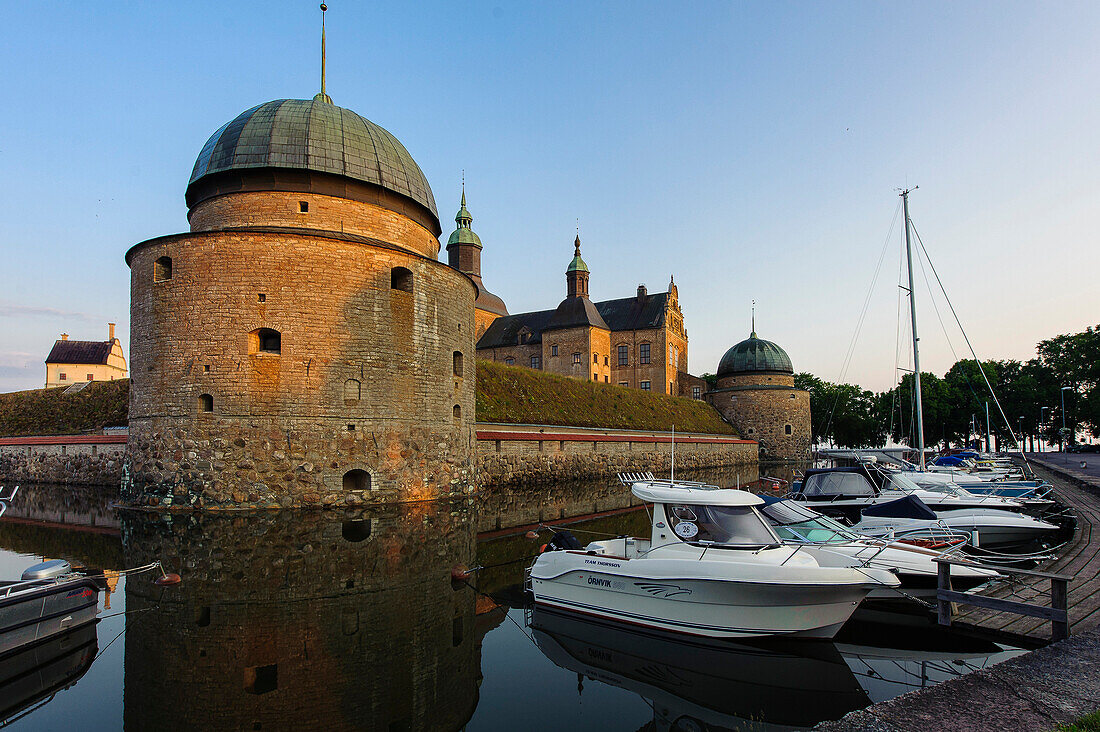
463 234
577 265
754 355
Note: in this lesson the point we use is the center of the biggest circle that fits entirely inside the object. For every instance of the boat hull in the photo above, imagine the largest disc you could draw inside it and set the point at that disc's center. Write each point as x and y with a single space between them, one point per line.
40 612
713 608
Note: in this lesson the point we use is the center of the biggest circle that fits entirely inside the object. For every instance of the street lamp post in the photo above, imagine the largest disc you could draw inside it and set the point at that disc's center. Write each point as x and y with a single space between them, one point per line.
1021 440
1042 421
1063 440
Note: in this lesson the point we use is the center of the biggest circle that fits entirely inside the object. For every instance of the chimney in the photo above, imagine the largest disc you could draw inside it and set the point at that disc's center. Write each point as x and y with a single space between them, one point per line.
111 332
641 293
64 336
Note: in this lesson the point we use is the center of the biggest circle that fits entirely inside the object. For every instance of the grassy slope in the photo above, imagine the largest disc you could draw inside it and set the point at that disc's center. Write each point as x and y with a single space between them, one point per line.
48 412
504 394
520 395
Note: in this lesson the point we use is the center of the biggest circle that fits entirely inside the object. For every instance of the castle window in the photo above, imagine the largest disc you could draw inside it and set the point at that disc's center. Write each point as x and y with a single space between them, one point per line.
91 376
670 390
696 392
605 360
553 350
624 383
787 429
751 430
456 363
162 269
303 206
596 358
262 297
643 353
61 376
595 377
356 480
401 279
265 340
576 358
353 391
644 386
206 403
607 379
510 361
536 362
624 355
206 369
792 396
456 411
261 679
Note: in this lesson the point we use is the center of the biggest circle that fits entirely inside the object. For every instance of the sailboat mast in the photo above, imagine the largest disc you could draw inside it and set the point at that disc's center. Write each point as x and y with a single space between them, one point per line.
913 314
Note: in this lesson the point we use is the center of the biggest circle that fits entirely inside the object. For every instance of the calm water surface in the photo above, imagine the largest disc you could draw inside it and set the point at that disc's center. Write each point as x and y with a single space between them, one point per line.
351 621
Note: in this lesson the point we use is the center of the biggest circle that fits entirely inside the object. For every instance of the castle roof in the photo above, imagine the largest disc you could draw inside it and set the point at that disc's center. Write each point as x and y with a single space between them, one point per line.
576 312
754 355
313 135
628 313
80 352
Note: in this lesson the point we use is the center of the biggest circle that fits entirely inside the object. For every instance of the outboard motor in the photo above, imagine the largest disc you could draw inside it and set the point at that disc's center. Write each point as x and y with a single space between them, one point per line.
562 540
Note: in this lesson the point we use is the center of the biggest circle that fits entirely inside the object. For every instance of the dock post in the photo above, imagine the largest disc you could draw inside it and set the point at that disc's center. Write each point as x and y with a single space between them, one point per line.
944 583
1059 602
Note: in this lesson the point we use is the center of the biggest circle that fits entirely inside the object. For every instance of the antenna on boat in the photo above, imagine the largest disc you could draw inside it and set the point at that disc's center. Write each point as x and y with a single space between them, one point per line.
672 472
913 313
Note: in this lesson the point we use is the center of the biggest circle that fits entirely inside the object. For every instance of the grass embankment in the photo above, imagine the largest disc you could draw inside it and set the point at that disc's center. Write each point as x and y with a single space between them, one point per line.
1087 723
51 412
519 395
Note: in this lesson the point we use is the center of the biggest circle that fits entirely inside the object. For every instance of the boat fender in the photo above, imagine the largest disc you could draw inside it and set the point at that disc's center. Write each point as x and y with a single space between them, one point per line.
459 573
563 540
168 579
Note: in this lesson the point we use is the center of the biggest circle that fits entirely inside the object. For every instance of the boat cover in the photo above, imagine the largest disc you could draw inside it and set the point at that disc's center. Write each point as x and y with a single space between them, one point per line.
909 507
949 461
828 484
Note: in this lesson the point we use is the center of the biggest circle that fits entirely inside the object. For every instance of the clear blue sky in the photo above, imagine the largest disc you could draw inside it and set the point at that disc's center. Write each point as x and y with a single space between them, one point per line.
751 149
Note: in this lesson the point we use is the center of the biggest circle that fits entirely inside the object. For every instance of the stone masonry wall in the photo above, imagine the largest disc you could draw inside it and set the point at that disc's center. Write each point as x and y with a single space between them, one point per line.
76 460
368 377
326 213
763 413
509 457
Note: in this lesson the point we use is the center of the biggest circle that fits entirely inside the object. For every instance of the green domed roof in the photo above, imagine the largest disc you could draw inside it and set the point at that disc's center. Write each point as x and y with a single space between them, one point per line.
754 354
315 135
462 235
577 265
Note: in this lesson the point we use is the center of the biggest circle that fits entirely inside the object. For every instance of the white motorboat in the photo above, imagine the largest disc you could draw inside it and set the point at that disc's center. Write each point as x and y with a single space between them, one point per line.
712 566
910 518
835 545
847 491
1031 498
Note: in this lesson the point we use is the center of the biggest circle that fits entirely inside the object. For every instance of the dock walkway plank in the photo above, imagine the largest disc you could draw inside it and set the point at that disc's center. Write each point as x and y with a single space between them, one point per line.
1079 558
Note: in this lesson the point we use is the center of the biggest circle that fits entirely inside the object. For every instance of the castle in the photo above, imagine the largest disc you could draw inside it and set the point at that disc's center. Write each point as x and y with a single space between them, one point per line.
302 344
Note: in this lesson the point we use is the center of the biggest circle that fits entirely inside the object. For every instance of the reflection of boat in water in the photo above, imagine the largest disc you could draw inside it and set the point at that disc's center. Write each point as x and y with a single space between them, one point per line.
49 598
31 674
697 684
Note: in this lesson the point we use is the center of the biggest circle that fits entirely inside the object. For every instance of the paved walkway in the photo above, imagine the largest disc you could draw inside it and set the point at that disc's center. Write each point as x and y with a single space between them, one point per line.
1069 464
1035 691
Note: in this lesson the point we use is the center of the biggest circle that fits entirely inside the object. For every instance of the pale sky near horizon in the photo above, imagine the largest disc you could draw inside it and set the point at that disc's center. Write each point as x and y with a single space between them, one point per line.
750 149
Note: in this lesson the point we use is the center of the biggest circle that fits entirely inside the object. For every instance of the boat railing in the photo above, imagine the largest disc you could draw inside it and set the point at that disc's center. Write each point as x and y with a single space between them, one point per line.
632 478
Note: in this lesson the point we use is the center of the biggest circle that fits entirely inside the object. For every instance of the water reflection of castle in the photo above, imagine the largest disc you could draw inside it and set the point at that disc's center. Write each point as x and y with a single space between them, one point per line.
304 620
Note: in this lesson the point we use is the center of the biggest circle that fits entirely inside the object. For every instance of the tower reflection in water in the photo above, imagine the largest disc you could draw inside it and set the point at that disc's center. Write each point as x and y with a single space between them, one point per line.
303 619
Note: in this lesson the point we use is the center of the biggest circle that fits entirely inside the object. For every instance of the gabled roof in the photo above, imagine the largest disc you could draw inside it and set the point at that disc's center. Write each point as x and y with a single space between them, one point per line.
504 331
628 313
576 312
83 352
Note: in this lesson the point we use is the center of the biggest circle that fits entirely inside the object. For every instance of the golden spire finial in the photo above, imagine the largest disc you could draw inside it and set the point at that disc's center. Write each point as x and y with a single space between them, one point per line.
323 96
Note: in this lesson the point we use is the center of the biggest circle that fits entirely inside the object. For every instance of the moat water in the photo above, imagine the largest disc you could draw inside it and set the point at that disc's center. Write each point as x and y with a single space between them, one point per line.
350 620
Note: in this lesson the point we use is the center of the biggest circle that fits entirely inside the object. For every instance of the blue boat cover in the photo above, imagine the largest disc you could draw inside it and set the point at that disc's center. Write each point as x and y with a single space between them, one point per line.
948 461
909 507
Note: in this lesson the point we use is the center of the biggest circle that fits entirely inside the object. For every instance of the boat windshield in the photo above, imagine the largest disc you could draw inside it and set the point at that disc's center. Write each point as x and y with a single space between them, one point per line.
733 526
795 523
830 485
899 482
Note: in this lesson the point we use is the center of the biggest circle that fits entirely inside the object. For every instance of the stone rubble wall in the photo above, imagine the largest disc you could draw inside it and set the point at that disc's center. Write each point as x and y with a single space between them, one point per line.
74 460
507 457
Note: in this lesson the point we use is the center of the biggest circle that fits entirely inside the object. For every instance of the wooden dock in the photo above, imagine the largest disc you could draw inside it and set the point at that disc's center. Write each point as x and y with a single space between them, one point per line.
1080 558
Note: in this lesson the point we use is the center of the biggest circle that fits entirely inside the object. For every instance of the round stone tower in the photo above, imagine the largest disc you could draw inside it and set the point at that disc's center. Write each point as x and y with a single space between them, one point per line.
302 344
756 392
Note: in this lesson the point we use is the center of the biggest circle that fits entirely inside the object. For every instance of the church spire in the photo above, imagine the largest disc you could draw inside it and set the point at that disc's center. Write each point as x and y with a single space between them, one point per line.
323 96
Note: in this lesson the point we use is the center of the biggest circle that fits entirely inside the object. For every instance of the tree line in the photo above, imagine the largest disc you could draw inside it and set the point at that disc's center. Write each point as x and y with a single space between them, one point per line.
953 406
